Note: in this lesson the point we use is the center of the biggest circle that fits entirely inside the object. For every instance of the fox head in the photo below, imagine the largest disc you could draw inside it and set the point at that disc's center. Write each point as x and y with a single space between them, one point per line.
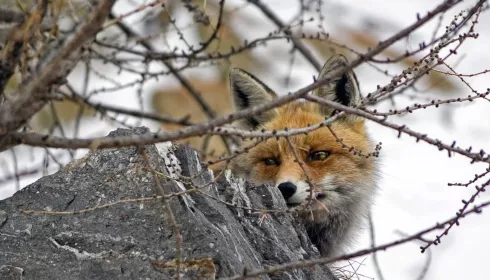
342 181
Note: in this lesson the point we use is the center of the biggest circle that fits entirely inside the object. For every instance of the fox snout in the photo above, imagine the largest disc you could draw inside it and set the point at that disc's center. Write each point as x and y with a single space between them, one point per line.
287 189
294 191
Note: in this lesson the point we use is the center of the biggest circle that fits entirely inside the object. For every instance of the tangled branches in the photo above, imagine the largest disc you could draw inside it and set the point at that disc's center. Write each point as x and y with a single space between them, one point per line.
56 55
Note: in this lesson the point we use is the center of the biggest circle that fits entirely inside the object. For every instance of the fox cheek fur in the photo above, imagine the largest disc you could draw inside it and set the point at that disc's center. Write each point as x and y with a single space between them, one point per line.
344 183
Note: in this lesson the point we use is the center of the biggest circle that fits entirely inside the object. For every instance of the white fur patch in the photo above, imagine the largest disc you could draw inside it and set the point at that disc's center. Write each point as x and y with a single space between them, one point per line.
302 190
327 183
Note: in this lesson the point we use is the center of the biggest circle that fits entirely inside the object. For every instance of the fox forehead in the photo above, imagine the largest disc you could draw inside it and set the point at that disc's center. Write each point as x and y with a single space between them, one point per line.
341 163
300 115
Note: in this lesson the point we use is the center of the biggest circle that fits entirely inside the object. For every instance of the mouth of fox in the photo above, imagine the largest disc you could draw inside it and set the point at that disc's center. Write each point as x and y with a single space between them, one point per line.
317 196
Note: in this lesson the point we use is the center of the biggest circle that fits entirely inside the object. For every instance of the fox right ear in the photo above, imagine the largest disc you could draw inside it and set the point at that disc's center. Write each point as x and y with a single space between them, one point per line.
248 91
343 89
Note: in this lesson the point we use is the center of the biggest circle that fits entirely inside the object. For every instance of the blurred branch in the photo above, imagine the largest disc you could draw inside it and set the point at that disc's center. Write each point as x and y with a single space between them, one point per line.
185 83
208 110
428 259
214 35
200 129
103 108
17 39
372 237
10 16
31 97
296 42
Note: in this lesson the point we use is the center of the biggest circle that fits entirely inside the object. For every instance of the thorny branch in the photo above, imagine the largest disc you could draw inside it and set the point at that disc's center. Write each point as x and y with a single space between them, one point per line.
309 263
460 214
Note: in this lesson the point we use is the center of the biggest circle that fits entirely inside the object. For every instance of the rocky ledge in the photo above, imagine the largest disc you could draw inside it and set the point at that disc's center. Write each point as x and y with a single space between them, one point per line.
130 234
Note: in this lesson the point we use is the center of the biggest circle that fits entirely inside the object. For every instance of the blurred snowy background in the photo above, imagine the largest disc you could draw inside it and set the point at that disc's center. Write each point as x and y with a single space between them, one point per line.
414 192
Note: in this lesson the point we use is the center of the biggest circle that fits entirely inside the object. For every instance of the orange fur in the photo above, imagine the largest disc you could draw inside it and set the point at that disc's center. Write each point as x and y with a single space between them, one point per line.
341 162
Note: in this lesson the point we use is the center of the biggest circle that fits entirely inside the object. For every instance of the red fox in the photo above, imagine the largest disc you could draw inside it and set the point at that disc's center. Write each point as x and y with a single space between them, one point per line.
344 184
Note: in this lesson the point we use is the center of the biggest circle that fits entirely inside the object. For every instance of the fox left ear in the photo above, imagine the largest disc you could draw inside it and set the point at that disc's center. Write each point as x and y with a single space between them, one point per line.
249 91
343 89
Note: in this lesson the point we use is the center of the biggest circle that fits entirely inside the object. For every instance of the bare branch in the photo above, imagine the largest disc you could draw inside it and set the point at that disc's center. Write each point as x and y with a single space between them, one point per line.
297 43
477 209
32 97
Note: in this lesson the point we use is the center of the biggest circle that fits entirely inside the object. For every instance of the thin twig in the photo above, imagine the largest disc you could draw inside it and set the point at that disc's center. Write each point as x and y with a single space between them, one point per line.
310 263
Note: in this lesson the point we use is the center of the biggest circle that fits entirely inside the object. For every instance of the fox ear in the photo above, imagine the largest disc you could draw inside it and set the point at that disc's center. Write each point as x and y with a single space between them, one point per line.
343 89
248 91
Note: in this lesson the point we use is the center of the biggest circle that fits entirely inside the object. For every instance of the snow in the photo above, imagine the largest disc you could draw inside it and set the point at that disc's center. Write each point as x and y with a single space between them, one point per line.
413 191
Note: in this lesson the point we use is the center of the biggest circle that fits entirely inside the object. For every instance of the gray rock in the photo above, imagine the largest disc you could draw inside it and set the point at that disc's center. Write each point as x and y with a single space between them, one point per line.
137 240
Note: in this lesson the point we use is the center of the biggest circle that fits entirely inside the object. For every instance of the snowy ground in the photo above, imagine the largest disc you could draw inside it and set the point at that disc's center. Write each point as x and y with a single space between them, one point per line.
413 192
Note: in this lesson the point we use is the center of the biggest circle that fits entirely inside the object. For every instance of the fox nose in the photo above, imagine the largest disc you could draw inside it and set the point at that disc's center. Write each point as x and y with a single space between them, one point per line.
287 189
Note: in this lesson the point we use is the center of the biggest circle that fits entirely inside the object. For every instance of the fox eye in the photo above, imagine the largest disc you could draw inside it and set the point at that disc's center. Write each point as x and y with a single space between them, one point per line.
318 155
271 161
